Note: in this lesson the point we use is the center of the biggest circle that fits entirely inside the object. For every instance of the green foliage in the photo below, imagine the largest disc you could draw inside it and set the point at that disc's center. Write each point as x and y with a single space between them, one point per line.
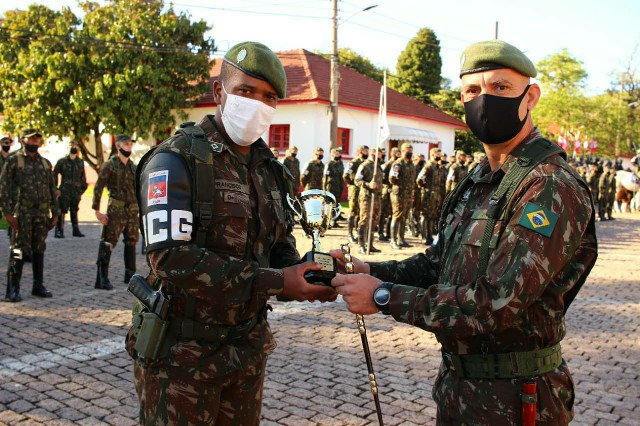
361 64
560 72
449 101
419 67
125 67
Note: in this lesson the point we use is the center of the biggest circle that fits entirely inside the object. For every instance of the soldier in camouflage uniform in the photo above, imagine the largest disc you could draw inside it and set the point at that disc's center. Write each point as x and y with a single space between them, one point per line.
362 152
5 146
429 182
118 176
220 255
369 179
457 171
384 228
32 216
496 305
293 164
416 207
402 178
333 181
606 192
593 179
312 173
73 183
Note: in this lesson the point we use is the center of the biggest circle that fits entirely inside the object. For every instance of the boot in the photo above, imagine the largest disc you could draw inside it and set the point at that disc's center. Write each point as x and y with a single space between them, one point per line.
394 235
129 262
350 229
102 276
381 236
401 231
74 224
13 278
361 236
59 232
38 289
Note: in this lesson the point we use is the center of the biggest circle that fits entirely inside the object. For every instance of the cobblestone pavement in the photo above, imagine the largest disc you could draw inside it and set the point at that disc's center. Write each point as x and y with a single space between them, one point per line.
62 360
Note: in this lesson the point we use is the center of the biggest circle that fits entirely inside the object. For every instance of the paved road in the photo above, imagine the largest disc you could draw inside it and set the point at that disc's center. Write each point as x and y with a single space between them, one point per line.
62 360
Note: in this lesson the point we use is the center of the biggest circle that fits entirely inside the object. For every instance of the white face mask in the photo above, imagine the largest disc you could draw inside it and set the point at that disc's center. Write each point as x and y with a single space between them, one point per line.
244 119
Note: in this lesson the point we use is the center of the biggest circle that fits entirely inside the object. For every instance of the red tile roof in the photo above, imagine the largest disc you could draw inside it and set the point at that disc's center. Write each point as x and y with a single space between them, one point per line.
308 78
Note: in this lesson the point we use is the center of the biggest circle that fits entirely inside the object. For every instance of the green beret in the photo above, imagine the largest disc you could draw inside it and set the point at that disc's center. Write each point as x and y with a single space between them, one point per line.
257 60
494 54
124 138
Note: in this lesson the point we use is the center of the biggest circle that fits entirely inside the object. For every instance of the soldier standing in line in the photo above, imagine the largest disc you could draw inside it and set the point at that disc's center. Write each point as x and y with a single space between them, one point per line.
5 144
369 180
478 156
34 214
428 182
118 176
333 181
311 177
293 164
607 191
384 228
275 152
457 171
73 183
416 207
593 181
362 152
402 178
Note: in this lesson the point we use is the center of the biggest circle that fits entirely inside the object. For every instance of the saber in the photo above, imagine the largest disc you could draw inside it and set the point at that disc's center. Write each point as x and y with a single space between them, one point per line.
348 266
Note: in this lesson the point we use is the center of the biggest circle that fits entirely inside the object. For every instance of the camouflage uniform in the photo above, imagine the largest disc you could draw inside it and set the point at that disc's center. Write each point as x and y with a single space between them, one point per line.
457 171
418 202
429 180
72 186
352 191
311 177
122 211
32 179
517 306
293 164
333 181
593 179
402 177
218 286
607 194
385 203
364 176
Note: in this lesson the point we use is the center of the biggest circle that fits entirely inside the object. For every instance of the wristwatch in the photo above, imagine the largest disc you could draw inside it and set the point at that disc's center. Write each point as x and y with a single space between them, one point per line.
382 297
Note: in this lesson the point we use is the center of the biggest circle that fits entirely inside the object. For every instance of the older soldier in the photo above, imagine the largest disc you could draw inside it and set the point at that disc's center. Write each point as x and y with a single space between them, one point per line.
73 183
517 241
402 178
293 164
33 215
362 152
220 250
428 181
384 228
333 181
457 171
607 191
312 173
118 176
369 179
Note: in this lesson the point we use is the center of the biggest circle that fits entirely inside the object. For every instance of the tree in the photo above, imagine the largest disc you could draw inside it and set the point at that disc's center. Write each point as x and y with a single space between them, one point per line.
419 67
351 59
561 72
126 67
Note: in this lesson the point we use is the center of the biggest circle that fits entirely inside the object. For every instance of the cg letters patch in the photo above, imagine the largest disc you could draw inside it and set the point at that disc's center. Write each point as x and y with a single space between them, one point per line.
157 192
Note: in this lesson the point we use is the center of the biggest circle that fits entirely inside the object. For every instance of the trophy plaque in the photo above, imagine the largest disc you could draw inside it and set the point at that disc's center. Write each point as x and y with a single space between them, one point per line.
316 209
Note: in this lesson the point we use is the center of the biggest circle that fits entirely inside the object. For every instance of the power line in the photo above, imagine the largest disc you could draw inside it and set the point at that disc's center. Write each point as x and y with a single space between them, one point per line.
254 12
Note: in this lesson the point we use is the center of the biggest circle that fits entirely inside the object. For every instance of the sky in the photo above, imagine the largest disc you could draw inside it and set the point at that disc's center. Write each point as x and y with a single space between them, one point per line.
603 34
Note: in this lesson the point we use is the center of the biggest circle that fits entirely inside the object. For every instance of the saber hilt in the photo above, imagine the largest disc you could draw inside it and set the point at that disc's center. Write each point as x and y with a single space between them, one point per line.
362 329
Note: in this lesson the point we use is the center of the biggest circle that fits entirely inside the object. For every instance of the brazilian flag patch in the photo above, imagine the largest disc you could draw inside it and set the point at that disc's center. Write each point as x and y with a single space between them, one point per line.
538 219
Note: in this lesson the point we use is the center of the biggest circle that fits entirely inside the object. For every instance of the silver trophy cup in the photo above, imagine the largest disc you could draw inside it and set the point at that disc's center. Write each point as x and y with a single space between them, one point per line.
316 209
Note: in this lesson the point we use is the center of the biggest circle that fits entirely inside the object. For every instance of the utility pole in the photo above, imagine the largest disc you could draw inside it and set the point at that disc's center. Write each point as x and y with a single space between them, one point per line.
335 78
495 35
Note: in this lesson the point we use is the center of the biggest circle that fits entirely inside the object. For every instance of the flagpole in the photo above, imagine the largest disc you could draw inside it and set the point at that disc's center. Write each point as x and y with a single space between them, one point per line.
382 111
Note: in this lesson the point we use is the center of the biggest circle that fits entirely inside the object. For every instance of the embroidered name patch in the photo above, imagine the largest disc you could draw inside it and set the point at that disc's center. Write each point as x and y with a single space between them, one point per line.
157 193
538 219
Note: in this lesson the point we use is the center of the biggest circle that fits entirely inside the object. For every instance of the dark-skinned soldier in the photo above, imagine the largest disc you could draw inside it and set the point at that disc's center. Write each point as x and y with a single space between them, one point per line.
73 183
362 152
293 165
313 171
369 179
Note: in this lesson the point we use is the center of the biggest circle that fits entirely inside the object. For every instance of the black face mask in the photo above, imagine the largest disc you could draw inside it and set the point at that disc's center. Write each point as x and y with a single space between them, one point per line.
73 151
123 152
337 158
494 119
408 155
31 148
6 148
383 158
294 154
320 157
364 156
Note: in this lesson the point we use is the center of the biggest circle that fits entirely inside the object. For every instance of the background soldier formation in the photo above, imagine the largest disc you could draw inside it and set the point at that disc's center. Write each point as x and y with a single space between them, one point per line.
73 183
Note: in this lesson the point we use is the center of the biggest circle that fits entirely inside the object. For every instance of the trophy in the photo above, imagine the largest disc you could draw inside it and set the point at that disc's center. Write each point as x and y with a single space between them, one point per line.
316 210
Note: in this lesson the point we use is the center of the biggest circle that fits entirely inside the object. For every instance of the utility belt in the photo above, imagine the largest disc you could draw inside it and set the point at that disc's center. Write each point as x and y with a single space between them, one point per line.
44 207
188 329
504 366
123 204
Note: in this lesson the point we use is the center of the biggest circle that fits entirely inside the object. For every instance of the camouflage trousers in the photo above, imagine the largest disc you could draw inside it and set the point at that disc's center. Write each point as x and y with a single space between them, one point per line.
121 221
480 402
400 206
32 233
336 192
353 201
385 203
365 209
431 204
173 396
69 202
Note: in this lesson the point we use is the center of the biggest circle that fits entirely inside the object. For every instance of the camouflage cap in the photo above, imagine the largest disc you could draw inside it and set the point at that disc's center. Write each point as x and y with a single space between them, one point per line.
495 54
337 150
274 149
318 149
395 150
124 138
362 148
257 60
27 133
406 145
434 151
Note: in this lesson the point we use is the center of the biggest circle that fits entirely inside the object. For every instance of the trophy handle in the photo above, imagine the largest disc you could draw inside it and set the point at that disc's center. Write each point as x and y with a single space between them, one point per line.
291 203
336 211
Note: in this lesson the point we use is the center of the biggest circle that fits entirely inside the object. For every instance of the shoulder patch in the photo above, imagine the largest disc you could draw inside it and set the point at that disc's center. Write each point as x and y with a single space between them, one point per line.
538 219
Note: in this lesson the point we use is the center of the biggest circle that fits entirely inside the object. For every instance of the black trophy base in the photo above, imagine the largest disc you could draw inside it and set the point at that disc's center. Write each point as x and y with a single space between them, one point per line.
324 275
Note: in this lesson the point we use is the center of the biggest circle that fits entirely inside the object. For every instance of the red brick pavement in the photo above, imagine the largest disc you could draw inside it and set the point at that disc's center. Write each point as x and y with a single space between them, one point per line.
62 360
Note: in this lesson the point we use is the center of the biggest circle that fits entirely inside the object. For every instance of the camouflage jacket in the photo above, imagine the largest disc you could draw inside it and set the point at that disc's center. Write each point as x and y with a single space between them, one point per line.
593 180
32 180
311 177
544 247
386 168
364 176
74 181
293 164
402 178
607 186
333 180
429 178
456 172
119 179
351 169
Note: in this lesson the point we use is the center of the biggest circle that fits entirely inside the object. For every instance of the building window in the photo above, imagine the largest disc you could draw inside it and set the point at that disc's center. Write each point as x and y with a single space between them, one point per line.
279 136
344 139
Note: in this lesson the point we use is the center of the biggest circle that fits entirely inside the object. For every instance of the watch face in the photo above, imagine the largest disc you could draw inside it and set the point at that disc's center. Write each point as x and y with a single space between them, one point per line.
381 296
